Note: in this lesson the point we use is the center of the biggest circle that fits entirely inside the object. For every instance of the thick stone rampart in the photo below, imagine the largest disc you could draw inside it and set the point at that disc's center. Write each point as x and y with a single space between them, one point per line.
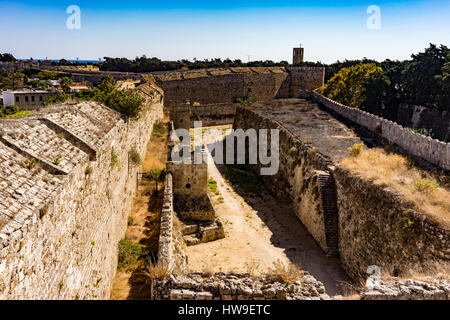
224 86
432 150
60 223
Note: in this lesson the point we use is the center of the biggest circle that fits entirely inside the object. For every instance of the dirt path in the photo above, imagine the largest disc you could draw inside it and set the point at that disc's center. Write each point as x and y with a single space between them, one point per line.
259 231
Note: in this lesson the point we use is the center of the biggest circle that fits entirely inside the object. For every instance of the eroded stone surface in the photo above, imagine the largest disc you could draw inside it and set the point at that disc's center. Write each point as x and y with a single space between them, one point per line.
222 286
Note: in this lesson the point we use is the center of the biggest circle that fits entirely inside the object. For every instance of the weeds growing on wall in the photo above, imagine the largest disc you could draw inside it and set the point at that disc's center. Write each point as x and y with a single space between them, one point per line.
135 157
114 160
212 186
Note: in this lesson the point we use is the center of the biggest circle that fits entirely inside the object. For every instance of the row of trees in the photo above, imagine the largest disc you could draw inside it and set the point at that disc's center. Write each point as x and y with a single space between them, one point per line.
144 64
7 57
17 80
379 87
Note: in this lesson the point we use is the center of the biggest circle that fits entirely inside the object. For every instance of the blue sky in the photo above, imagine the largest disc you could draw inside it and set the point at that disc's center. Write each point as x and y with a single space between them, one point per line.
329 30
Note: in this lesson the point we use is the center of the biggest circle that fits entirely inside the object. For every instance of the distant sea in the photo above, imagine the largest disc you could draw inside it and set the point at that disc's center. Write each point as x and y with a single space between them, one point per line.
56 60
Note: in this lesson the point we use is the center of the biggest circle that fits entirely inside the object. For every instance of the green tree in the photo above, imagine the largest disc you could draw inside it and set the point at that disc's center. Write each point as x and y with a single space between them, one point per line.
347 86
7 57
49 75
107 84
444 82
65 83
156 175
421 76
13 80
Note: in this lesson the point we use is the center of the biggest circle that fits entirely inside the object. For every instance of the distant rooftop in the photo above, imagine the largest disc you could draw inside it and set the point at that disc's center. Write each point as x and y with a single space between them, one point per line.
27 91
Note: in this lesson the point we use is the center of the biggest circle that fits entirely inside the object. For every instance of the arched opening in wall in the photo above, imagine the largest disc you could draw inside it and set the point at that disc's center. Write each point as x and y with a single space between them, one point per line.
188 186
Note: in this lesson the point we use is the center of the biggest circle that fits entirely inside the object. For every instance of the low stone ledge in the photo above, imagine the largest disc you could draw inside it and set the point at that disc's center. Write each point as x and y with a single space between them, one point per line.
166 246
221 286
409 290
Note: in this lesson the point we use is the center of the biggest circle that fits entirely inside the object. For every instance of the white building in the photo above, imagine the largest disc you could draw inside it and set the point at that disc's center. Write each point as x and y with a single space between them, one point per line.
26 99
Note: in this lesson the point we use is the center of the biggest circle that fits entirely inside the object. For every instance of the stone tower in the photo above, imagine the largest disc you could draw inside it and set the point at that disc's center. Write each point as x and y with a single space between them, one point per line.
298 55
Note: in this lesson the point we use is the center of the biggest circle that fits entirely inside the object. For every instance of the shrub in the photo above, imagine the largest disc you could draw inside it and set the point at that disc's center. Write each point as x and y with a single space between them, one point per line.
425 185
424 131
212 186
18 115
293 151
131 221
157 271
58 98
245 100
356 150
127 102
129 253
347 85
135 157
11 109
31 163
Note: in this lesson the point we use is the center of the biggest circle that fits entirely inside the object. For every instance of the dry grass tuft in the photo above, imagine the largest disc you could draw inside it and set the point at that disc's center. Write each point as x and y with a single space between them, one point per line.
418 187
281 272
157 271
253 268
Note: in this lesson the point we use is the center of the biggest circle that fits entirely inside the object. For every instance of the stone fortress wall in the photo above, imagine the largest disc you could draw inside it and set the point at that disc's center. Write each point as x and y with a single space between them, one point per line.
215 90
67 186
432 150
171 255
362 223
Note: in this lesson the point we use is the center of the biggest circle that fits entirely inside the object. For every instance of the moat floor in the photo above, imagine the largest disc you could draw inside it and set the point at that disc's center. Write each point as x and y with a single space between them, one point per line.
259 231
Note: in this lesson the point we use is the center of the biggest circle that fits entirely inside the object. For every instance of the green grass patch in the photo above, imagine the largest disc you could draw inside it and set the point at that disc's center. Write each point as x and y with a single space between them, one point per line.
129 254
18 115
212 186
425 185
